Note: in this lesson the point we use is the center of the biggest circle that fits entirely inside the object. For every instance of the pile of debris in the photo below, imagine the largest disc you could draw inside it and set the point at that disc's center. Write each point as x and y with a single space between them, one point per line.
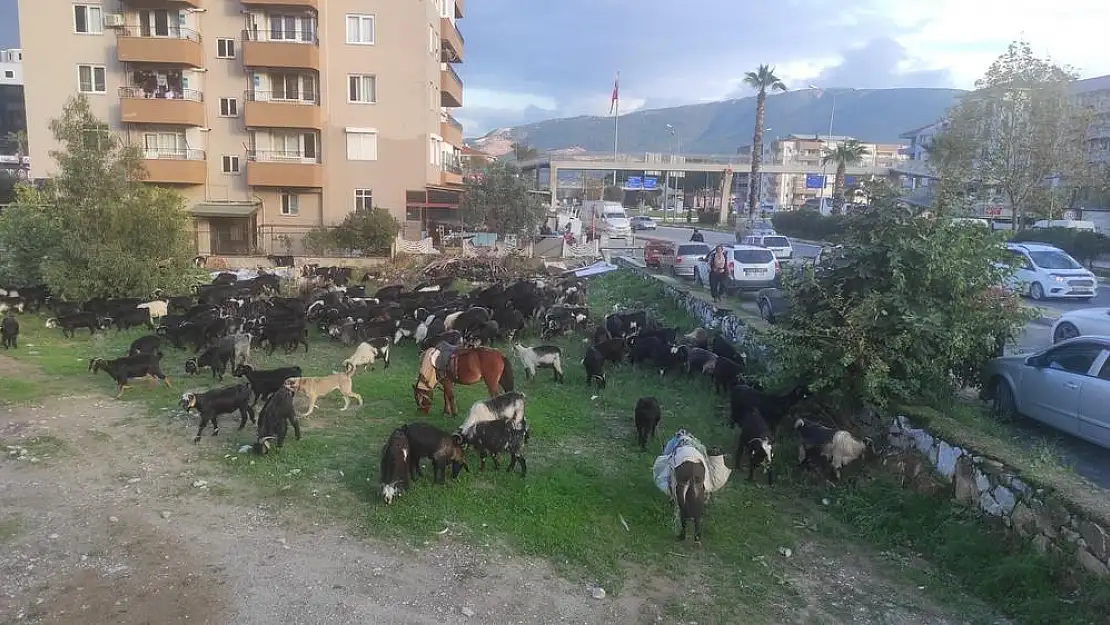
480 268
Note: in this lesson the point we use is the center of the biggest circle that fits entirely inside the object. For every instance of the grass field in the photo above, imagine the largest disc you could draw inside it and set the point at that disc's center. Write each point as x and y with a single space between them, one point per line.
589 504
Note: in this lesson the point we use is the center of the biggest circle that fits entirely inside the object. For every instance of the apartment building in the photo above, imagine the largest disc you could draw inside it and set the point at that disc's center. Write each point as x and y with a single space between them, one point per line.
272 117
792 190
13 112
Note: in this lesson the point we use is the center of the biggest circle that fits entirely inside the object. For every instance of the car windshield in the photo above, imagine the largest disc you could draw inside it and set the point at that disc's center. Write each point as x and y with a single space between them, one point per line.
753 257
691 250
1054 260
614 213
776 242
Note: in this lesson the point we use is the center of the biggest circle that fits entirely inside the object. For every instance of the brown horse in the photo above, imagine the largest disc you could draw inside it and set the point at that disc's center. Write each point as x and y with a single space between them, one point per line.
469 365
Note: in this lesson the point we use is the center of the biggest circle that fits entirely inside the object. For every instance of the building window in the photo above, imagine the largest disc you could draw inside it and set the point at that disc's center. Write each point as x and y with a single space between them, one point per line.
229 107
360 29
88 19
433 40
364 199
289 203
91 79
9 73
362 89
231 164
435 150
225 48
362 145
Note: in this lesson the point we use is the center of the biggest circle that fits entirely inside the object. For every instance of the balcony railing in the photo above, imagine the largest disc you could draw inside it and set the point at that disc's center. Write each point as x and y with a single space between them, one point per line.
278 36
139 93
453 168
174 155
281 156
448 119
252 95
454 74
173 32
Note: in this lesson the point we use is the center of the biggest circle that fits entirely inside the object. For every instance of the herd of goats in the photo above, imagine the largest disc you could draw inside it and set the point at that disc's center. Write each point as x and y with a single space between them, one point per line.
456 334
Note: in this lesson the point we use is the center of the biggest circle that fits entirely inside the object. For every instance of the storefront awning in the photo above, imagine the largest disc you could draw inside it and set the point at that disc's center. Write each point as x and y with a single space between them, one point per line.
223 209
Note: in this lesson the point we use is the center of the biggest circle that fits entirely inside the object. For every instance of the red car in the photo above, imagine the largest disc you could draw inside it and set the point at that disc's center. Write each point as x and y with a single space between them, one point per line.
654 251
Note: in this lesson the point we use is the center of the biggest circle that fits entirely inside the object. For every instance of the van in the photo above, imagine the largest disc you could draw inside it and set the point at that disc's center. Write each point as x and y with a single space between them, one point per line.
1044 271
602 217
777 243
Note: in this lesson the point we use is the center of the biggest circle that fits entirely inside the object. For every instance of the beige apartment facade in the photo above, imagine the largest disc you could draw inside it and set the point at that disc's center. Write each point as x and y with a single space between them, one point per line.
271 117
790 190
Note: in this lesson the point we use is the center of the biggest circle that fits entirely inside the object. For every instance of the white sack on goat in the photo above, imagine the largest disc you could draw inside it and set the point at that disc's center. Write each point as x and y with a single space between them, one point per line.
685 448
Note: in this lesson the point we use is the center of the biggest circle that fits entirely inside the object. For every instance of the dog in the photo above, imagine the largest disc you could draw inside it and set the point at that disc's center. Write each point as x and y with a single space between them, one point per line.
315 388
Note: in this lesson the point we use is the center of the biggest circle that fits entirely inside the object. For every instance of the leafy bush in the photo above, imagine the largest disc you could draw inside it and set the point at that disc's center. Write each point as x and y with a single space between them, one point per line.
809 224
1083 245
367 232
909 308
499 200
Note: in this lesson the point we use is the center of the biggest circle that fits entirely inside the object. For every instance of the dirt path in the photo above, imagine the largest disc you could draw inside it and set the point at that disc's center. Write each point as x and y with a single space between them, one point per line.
107 516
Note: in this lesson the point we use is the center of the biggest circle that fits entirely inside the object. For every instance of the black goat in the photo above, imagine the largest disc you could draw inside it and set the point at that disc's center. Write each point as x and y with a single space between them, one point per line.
230 351
9 332
211 404
132 318
755 439
594 363
129 367
647 417
428 441
690 496
274 420
288 337
148 344
490 438
395 471
743 399
70 323
726 374
267 381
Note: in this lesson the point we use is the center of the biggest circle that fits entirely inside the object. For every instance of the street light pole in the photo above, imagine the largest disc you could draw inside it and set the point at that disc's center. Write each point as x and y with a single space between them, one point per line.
828 141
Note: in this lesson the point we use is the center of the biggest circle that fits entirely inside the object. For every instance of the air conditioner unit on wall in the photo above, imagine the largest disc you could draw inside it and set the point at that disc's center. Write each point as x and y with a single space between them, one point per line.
113 20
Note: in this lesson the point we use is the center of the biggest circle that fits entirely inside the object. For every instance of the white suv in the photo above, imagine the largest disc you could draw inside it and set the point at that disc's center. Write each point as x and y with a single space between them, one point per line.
777 243
749 268
1045 271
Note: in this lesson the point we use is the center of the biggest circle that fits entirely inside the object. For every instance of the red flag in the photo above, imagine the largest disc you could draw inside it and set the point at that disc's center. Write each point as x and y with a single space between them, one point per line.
615 100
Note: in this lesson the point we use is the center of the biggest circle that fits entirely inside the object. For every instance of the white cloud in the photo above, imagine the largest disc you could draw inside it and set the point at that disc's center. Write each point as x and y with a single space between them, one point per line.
508 100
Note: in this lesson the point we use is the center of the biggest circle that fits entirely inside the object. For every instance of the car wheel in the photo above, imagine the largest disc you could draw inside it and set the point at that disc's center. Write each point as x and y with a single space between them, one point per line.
1036 291
765 311
1004 408
1065 331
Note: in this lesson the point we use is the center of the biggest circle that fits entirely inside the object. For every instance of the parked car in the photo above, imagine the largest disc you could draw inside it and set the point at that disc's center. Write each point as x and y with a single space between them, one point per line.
750 268
642 222
772 301
777 243
655 251
684 259
1066 387
1045 271
1082 322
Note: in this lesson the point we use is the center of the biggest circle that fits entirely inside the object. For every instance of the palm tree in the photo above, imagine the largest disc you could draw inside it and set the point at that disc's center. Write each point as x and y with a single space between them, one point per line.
762 80
850 152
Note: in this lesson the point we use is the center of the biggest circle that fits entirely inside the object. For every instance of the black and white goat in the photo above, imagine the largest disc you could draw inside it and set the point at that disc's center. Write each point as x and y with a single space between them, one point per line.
755 439
395 471
594 364
70 323
367 353
540 357
274 420
230 352
508 407
490 438
647 416
211 404
838 447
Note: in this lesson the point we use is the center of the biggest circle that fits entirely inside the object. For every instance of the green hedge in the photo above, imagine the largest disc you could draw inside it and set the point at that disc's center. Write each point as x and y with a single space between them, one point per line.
809 224
1084 246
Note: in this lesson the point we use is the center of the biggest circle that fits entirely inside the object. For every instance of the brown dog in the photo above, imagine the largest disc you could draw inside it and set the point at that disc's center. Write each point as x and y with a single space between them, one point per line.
315 388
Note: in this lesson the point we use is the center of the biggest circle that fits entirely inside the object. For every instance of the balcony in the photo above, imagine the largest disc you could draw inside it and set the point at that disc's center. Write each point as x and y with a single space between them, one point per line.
264 111
451 130
450 87
263 48
183 167
181 46
452 41
163 4
459 9
451 175
299 4
138 107
276 168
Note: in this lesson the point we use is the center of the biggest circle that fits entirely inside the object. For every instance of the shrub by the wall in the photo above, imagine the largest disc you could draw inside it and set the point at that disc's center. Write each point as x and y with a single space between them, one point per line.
809 224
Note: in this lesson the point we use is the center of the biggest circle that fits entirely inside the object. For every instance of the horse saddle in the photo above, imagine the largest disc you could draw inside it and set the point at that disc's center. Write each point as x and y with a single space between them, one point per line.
446 361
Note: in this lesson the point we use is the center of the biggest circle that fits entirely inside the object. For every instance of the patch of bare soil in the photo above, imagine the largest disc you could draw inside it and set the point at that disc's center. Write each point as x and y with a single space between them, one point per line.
113 525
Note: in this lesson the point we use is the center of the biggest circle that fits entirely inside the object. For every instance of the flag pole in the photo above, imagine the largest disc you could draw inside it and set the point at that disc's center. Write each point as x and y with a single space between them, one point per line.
616 106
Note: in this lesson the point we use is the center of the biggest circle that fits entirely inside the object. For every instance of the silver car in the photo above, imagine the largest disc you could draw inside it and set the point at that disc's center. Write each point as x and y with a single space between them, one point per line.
1066 387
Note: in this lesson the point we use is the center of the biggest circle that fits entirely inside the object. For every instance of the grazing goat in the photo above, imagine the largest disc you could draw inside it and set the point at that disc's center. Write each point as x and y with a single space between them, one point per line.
508 407
266 382
211 404
690 496
9 332
726 373
594 363
540 357
70 323
755 439
647 417
698 337
428 441
491 438
315 388
228 352
743 399
125 319
839 447
129 367
148 344
367 353
158 308
395 469
274 420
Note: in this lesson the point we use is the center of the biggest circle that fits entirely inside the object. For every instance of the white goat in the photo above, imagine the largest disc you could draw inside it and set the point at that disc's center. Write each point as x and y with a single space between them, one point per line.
366 354
540 357
508 407
158 308
839 447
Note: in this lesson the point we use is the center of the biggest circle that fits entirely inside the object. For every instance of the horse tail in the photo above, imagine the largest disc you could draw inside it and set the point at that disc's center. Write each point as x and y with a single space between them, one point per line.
507 382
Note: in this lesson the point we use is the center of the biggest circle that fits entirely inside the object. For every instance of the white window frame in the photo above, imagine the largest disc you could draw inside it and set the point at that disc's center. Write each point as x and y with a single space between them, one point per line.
92 78
361 78
226 164
433 40
302 80
435 149
360 135
290 204
232 103
227 44
95 27
364 199
360 19
170 144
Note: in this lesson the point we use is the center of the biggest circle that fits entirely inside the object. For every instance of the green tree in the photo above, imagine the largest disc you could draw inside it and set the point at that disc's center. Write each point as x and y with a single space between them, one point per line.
97 229
1020 132
368 232
908 308
763 79
499 201
951 154
613 193
845 154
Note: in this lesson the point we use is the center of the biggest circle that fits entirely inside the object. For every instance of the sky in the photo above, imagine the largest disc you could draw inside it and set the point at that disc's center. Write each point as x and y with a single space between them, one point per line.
529 60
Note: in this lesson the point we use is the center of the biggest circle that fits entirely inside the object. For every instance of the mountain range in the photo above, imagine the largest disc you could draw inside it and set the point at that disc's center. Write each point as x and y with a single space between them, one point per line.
870 115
